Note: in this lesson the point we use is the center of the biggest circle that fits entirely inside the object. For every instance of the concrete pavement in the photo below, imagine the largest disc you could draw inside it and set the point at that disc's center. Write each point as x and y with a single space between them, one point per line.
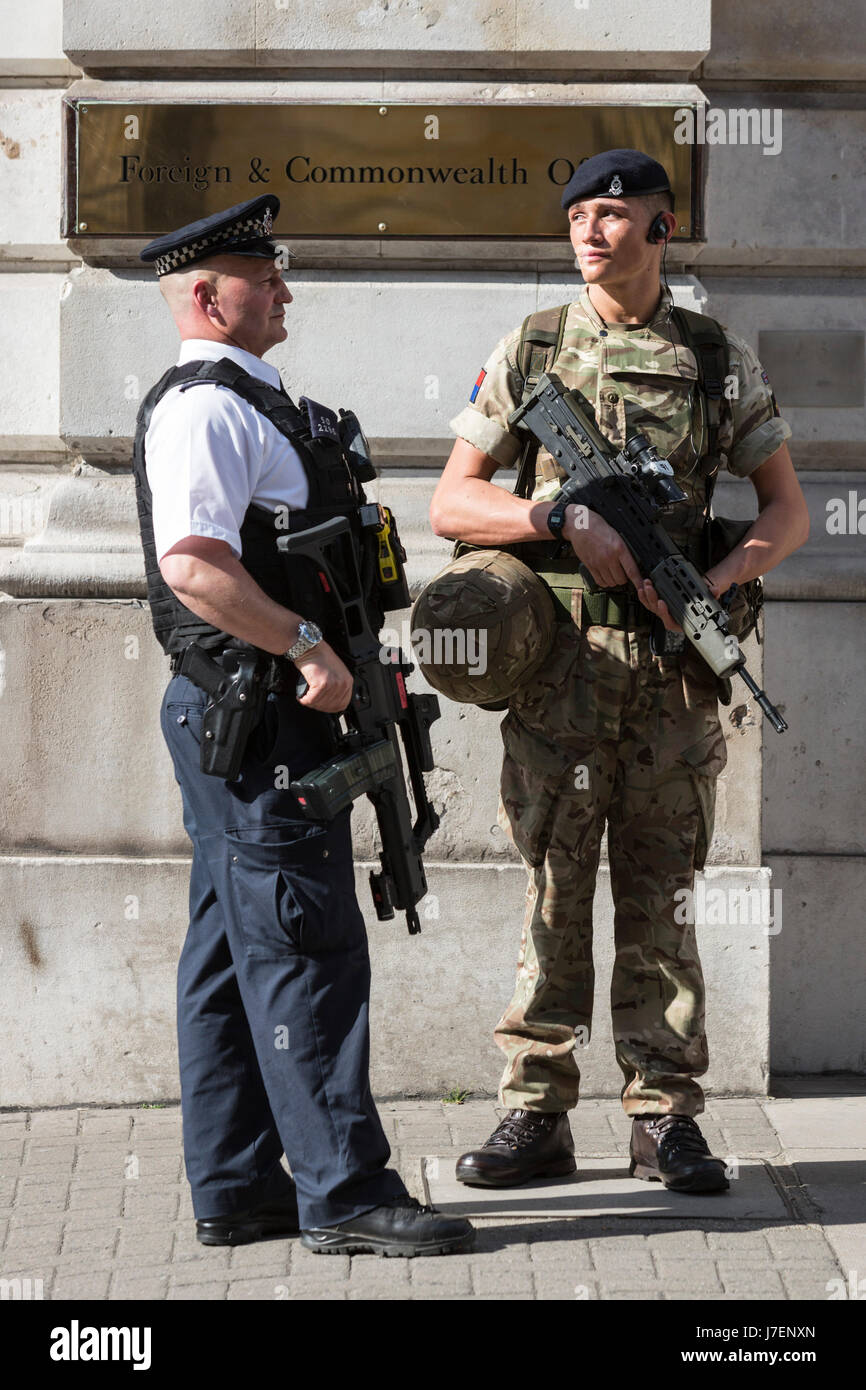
94 1205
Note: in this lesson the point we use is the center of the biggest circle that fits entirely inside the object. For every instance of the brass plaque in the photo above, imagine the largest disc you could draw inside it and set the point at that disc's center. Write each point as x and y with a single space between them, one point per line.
360 170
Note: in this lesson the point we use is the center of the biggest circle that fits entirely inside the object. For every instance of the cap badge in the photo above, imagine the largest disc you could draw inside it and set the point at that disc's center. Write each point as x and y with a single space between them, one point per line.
615 186
267 221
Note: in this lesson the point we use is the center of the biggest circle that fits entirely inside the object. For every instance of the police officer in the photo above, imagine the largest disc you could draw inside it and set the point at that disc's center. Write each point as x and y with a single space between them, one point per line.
606 731
273 981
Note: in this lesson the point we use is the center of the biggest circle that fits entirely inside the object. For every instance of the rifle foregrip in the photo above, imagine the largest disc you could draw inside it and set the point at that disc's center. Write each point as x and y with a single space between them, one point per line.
702 617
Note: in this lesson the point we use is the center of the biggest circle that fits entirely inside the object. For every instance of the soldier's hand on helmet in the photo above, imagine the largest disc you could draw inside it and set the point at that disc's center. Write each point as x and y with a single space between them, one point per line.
329 680
600 548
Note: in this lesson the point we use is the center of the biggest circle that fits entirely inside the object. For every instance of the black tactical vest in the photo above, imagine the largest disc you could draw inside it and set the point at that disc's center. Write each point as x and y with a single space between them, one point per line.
312 430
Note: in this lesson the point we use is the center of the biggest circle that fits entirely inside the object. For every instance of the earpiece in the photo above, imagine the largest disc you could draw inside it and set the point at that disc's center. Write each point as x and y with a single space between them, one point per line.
658 232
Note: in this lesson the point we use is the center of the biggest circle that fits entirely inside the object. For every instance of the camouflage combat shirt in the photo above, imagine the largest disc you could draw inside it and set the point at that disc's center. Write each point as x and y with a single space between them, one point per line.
638 378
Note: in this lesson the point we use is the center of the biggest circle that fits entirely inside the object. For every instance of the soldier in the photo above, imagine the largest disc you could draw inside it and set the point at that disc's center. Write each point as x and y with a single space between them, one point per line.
606 731
273 980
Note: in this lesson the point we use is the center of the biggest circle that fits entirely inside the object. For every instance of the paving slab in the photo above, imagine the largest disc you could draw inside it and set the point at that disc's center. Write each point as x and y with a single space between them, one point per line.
823 1138
601 1187
835 1180
792 1226
819 1122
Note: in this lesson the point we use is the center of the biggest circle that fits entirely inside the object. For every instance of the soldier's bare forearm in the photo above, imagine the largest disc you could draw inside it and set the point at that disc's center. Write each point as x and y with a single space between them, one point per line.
777 532
467 506
485 514
781 527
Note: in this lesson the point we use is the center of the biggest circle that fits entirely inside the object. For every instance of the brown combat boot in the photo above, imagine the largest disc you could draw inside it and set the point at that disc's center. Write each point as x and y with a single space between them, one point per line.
672 1150
524 1145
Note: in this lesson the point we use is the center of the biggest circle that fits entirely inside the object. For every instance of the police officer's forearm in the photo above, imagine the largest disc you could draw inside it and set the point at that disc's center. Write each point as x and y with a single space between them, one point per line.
223 593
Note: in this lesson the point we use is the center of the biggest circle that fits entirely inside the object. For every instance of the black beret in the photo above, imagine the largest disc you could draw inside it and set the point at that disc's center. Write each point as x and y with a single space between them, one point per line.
620 173
243 230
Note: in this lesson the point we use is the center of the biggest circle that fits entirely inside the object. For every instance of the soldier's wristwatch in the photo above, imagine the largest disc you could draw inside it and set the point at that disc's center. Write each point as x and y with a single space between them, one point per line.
556 519
309 635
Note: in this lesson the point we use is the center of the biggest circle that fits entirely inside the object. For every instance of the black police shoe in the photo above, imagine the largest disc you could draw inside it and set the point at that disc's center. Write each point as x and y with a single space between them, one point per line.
399 1227
526 1144
672 1150
276 1217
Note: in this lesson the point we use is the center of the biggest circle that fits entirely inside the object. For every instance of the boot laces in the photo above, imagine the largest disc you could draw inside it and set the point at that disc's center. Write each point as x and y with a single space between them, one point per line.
409 1203
678 1132
519 1128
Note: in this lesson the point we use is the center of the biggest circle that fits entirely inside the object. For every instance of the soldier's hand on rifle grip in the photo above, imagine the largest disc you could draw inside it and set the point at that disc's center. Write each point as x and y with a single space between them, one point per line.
329 682
601 548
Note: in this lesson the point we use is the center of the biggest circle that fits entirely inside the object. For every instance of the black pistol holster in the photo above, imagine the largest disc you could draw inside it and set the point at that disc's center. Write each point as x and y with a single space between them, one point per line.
238 691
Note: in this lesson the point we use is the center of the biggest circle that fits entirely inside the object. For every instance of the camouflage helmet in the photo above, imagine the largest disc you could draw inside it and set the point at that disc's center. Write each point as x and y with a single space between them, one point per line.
482 627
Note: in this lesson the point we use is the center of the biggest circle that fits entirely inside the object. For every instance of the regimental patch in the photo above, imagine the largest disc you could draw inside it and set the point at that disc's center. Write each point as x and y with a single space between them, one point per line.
766 381
477 387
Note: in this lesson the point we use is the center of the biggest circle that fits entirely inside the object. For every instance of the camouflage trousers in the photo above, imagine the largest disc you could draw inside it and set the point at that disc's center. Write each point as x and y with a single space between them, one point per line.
606 732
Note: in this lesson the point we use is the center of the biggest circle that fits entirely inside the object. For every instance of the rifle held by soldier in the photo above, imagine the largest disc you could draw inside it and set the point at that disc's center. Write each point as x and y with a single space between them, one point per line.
629 489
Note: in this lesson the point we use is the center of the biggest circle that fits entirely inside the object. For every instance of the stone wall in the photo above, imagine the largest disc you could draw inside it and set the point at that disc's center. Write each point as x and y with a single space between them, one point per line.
92 849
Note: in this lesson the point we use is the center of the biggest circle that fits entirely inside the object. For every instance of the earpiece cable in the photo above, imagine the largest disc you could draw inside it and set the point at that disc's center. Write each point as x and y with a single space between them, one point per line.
695 454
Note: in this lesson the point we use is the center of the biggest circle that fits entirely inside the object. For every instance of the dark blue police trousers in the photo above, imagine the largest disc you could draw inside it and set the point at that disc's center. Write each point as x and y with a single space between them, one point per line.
273 982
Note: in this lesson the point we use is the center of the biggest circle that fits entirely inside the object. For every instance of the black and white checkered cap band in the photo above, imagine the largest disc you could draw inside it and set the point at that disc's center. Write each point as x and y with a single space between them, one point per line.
247 229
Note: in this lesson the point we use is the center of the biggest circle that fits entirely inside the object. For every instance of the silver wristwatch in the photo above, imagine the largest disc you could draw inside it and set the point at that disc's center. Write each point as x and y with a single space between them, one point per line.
308 636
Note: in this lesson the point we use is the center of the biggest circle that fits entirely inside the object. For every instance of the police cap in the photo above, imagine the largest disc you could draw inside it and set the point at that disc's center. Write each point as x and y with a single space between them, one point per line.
244 230
619 173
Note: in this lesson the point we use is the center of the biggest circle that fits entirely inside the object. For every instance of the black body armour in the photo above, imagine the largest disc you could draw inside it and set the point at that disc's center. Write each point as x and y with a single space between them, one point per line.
314 432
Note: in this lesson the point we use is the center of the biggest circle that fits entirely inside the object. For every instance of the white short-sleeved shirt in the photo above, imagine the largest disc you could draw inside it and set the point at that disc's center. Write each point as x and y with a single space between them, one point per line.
209 454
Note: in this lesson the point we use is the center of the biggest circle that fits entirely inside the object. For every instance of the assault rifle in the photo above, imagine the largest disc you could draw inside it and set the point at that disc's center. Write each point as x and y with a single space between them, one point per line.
629 489
367 758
